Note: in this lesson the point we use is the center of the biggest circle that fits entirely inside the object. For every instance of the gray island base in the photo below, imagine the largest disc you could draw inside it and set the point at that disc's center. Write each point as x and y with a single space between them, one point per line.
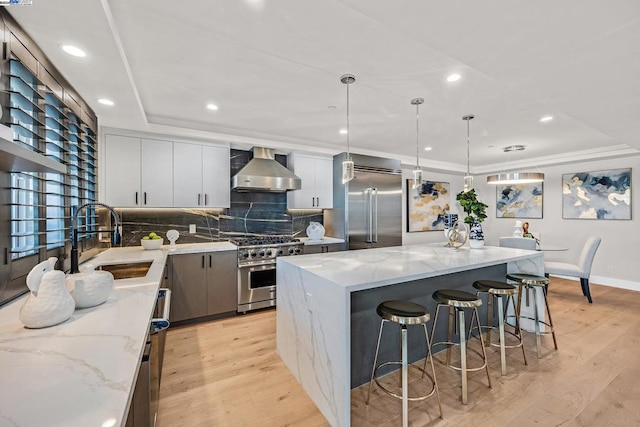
326 318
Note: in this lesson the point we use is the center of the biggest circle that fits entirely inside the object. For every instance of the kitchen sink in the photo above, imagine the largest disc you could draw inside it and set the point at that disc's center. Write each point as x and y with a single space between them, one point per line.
127 270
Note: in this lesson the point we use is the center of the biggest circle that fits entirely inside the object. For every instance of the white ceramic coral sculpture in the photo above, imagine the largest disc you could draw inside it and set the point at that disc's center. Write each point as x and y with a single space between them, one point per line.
49 302
90 287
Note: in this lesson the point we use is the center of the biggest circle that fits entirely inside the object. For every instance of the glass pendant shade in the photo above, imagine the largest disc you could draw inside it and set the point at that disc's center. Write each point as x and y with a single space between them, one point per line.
347 170
515 178
347 164
417 178
468 183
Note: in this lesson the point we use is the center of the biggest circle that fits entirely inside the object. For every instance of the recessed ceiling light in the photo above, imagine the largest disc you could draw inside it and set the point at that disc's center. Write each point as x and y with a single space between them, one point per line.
331 107
453 77
105 101
428 148
546 119
213 107
73 50
516 147
343 132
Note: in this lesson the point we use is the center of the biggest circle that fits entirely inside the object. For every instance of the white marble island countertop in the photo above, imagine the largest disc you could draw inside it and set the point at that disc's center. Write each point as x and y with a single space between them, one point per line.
365 269
81 372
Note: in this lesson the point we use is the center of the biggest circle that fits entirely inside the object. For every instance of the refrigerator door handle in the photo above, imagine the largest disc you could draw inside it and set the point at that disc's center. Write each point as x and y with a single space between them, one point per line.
375 214
369 212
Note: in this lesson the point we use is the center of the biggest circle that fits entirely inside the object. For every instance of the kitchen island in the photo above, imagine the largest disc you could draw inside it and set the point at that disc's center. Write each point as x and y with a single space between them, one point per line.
326 320
83 371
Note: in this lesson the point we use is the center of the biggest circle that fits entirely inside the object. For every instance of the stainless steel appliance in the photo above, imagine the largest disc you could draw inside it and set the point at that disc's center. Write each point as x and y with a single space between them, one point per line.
257 269
143 411
264 173
368 209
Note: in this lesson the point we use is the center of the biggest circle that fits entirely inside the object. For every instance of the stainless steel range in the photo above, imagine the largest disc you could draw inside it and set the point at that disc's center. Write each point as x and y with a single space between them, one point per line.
257 269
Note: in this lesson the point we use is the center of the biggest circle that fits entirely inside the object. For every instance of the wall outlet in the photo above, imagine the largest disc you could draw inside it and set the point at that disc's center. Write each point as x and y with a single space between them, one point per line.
192 228
610 269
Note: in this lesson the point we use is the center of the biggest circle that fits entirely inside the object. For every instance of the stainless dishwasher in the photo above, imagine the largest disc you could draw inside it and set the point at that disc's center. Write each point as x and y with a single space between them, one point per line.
143 410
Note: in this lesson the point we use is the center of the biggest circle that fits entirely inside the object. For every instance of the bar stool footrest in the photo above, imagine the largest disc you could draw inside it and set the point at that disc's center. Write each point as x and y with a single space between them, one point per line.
497 344
458 368
399 396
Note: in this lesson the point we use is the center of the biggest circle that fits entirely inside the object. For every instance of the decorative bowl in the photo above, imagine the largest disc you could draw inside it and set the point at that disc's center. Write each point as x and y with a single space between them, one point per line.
152 243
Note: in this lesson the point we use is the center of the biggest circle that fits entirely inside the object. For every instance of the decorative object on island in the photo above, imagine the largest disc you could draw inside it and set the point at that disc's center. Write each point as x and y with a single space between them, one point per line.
504 178
49 302
468 179
457 235
347 164
427 205
519 200
417 172
315 231
476 213
602 194
89 287
172 235
517 229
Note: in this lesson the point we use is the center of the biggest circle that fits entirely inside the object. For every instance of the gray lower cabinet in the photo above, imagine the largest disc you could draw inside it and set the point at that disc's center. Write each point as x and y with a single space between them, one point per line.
319 249
203 284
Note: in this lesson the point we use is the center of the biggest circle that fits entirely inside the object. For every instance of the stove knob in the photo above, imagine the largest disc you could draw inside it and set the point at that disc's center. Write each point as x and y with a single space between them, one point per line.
261 253
269 252
290 251
253 254
280 252
297 251
245 254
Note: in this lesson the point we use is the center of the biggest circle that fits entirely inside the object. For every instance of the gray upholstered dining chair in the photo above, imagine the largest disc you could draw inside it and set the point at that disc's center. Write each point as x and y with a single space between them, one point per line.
518 243
581 270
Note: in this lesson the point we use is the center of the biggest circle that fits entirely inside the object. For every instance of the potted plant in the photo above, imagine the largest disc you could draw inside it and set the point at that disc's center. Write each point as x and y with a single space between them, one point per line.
476 213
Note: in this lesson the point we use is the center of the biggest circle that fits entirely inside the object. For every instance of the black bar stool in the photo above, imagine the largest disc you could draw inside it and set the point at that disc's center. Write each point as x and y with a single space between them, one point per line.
495 291
532 282
457 301
405 313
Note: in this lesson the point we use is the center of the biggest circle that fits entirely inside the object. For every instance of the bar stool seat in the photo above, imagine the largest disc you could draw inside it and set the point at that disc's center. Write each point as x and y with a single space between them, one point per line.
405 313
457 301
531 282
495 290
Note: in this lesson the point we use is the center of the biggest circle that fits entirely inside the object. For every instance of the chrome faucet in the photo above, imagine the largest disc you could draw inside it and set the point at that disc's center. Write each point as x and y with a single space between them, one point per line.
74 231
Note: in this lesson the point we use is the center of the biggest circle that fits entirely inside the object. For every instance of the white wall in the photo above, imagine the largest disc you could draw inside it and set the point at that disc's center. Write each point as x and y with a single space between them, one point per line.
616 262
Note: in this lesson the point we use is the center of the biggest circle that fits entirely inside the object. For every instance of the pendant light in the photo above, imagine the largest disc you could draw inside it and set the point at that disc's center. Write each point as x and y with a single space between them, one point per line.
468 179
347 164
506 178
417 172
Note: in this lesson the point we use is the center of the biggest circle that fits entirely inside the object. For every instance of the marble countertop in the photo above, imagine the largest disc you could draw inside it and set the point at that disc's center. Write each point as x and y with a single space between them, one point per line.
81 372
191 248
324 241
365 269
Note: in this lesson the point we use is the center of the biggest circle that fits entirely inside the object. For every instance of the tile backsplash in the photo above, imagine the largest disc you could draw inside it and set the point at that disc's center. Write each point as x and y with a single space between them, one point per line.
250 214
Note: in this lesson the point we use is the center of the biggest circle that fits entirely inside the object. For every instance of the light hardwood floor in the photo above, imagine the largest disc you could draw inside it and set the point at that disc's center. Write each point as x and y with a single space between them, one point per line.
227 373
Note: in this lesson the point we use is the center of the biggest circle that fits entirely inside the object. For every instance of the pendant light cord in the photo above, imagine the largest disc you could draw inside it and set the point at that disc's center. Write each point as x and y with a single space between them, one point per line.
348 130
468 147
417 134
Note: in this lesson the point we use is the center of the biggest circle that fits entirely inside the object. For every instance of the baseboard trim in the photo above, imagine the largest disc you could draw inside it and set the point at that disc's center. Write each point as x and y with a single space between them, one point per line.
607 281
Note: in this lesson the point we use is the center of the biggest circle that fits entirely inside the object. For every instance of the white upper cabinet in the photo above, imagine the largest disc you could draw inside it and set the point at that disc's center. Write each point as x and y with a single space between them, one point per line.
138 172
316 173
201 176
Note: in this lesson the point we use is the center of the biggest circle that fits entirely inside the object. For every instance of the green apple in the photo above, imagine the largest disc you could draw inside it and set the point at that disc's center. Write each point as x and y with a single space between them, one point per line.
152 235
156 237
146 238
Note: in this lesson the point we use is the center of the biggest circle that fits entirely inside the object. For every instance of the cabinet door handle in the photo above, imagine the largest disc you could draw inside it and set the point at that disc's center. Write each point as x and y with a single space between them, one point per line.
145 197
210 264
202 261
205 199
198 199
318 202
136 198
313 201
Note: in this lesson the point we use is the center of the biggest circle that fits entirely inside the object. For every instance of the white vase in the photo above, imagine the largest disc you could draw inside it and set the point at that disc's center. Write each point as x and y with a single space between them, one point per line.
315 231
476 244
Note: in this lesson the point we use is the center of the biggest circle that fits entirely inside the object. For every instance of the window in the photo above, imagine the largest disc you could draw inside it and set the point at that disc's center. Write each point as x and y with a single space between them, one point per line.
40 120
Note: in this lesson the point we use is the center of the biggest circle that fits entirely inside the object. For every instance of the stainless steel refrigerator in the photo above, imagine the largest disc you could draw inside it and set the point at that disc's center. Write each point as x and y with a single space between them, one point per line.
367 211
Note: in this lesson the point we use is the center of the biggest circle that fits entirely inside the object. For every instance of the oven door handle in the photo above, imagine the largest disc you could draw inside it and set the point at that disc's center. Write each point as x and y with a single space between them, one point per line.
257 263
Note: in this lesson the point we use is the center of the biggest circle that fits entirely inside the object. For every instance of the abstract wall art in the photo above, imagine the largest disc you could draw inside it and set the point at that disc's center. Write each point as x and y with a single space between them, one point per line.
427 205
519 200
602 194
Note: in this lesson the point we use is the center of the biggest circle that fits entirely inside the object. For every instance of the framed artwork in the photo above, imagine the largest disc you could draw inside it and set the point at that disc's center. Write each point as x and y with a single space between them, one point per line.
427 205
602 194
519 200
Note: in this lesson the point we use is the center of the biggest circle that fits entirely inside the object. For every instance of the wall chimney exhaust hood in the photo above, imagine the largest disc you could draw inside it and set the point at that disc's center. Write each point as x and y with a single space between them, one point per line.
14 158
264 173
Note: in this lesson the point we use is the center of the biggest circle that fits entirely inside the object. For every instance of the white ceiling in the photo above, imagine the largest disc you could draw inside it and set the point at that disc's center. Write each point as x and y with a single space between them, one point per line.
273 67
